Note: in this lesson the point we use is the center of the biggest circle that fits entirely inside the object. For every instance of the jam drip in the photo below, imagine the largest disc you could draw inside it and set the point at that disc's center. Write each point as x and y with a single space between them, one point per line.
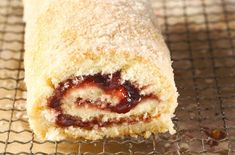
128 95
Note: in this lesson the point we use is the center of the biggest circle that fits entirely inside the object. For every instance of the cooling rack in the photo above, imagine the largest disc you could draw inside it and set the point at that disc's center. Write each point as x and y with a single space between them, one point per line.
201 38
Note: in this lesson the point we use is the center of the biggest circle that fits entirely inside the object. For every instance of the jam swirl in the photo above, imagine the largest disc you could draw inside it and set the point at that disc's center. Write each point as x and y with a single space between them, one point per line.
129 96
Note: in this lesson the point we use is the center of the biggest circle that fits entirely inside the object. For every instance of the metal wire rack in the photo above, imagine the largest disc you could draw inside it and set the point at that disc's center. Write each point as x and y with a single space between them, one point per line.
201 37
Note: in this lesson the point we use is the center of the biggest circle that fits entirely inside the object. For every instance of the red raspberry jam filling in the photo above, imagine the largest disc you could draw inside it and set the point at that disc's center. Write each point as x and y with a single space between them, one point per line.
65 120
129 96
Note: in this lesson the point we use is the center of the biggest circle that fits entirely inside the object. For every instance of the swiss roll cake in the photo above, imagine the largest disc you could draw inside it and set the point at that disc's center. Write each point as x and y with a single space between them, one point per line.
96 69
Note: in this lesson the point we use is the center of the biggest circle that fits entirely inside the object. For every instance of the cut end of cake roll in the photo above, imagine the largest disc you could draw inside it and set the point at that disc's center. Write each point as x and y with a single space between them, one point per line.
131 99
99 69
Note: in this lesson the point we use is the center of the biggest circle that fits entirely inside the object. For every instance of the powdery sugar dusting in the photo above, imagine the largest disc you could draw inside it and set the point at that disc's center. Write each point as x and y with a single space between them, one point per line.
123 25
